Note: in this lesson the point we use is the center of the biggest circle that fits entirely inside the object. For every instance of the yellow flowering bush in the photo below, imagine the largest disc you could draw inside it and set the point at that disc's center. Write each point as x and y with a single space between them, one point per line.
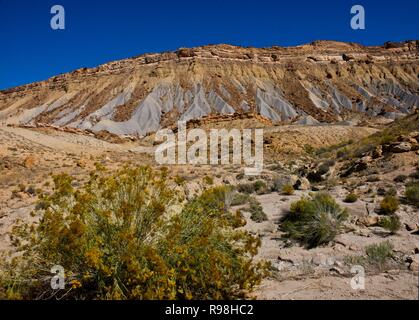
127 236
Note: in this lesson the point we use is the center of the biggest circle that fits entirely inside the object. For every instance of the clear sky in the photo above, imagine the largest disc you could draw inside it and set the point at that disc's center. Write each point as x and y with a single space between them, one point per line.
98 31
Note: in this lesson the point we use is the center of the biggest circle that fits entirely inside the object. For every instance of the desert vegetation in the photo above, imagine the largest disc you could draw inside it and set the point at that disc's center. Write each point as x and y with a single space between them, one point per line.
351 198
391 223
377 257
389 204
127 235
287 189
314 221
256 211
412 193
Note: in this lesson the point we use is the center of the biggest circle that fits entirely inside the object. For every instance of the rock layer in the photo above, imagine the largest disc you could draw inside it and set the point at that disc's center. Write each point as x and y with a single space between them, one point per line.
324 81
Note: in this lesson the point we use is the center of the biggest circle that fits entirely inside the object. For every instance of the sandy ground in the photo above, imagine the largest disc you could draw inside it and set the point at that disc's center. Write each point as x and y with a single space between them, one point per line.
321 273
69 142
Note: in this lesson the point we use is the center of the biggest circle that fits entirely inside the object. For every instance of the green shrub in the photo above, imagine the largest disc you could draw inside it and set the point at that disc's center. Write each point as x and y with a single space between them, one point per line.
342 153
391 192
329 163
377 257
127 236
351 198
412 193
327 150
239 199
323 168
247 188
288 189
276 167
391 223
260 186
379 254
179 180
41 205
309 149
387 138
389 205
278 182
238 220
208 180
256 211
314 221
363 149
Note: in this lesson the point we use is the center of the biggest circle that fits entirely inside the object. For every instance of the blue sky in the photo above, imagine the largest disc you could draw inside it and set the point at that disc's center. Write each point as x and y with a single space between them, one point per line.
98 31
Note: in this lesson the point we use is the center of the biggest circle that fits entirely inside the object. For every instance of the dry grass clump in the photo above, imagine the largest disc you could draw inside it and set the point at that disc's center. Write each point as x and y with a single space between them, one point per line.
259 187
379 254
412 193
389 205
391 223
351 198
314 221
288 189
378 257
239 199
256 211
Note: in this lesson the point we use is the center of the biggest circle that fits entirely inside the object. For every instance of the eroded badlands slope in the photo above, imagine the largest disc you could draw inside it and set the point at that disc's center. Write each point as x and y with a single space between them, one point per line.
322 81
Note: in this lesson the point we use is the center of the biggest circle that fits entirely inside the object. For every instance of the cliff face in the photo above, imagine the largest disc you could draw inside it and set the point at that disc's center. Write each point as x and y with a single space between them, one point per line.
322 81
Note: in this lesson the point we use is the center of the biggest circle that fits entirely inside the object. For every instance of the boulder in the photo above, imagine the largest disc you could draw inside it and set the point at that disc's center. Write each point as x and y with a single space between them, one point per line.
414 135
401 147
412 141
302 184
320 259
347 57
410 226
414 263
293 179
353 247
369 221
